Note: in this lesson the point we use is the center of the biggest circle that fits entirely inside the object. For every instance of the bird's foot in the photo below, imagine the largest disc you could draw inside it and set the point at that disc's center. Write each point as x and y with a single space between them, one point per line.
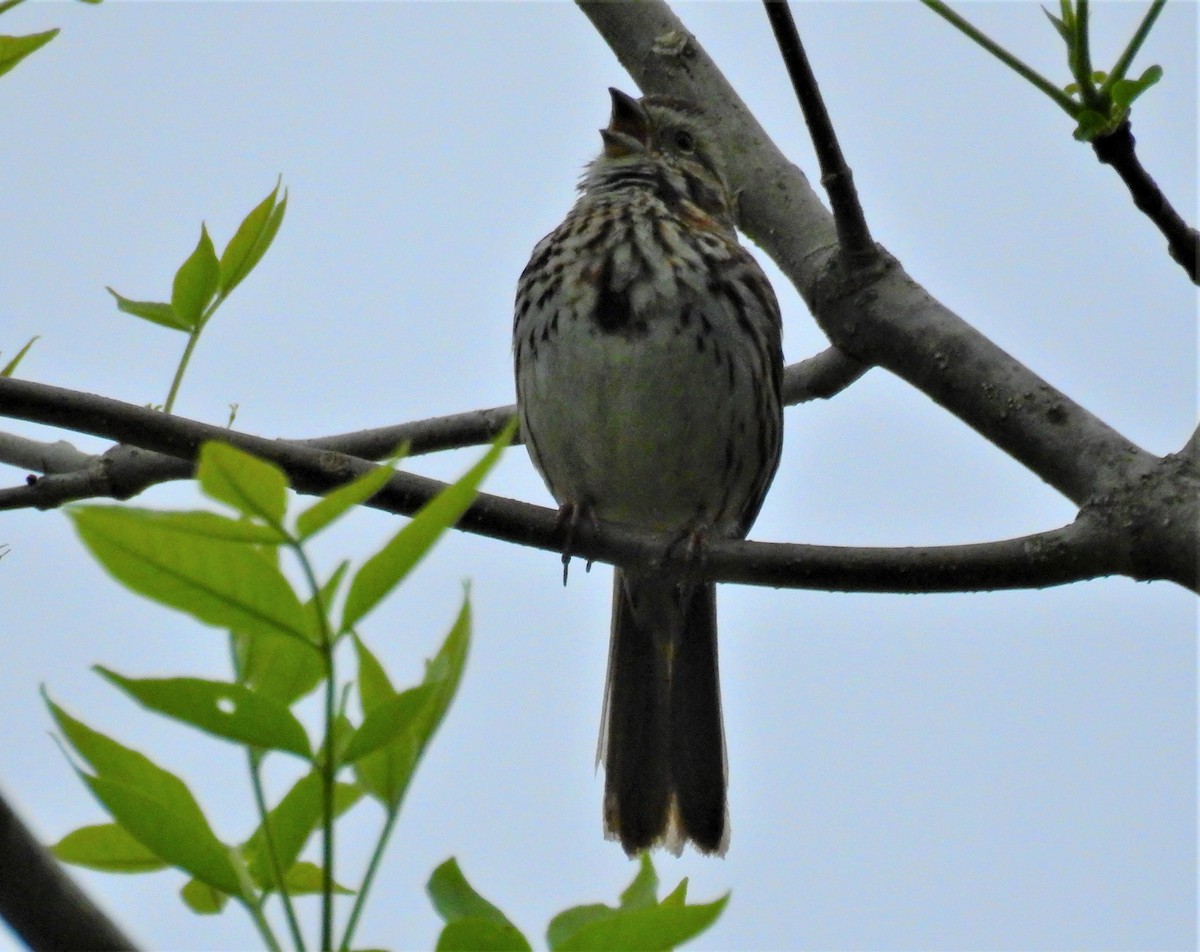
690 548
569 516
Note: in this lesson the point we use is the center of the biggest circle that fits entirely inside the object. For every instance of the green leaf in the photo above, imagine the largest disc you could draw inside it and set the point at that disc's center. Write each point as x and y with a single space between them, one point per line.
342 500
305 879
1068 14
454 898
388 720
445 671
251 240
481 935
196 282
388 567
568 922
7 5
278 666
678 895
152 804
641 922
651 928
252 486
212 525
1151 76
179 838
8 369
107 847
1059 26
1125 91
156 312
1090 125
374 686
387 772
292 822
13 49
200 897
345 796
643 891
221 583
222 709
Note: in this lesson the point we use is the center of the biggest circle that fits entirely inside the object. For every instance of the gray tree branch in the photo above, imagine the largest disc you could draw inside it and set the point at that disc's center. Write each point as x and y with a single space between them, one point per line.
41 902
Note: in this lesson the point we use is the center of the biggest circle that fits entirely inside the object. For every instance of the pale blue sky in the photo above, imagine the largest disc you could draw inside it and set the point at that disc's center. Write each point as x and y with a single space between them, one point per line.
1008 771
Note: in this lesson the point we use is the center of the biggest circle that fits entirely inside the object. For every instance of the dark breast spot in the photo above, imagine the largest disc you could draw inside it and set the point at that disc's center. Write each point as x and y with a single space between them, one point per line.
613 313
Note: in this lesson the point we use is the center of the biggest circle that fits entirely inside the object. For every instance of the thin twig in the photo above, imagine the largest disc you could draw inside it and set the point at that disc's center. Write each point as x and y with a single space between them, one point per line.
853 234
1118 149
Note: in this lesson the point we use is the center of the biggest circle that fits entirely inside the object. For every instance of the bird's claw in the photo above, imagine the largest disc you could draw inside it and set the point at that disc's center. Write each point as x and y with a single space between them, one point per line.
569 516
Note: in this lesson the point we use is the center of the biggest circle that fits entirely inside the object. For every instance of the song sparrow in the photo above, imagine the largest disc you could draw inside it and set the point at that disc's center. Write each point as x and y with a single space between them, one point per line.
648 369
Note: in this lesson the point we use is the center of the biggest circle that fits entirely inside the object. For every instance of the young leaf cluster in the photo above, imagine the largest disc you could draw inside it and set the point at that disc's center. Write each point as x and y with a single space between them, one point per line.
639 921
204 280
1097 100
223 570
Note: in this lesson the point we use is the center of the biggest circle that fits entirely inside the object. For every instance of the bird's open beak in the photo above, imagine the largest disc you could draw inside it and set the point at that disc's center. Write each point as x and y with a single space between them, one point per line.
629 128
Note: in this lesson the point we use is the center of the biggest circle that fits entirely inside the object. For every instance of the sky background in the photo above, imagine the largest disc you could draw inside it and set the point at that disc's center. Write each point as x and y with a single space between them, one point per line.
992 771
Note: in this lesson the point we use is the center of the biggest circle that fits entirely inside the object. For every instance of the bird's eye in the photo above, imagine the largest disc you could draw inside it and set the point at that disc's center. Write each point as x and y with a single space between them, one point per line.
684 140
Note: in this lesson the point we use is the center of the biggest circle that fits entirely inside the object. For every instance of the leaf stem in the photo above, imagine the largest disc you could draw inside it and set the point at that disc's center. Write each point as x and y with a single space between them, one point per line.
193 338
1081 57
329 761
368 878
1135 43
1021 69
264 927
261 801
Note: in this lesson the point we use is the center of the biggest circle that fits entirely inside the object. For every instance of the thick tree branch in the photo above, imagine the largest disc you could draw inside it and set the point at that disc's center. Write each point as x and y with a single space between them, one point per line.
41 902
1098 544
1191 448
880 317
